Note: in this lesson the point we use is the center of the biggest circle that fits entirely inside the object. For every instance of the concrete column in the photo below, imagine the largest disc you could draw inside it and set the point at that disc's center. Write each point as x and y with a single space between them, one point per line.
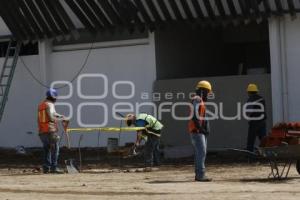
45 49
278 69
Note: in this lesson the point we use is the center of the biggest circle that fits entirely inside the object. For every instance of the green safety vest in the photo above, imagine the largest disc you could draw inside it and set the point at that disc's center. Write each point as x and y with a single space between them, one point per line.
153 123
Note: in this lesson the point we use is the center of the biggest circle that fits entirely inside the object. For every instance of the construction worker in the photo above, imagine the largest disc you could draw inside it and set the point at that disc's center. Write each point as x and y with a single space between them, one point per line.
198 128
48 127
258 116
151 135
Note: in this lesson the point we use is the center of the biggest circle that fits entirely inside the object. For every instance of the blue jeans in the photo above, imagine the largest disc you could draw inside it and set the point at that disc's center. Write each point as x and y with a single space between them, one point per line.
199 142
152 152
51 150
255 129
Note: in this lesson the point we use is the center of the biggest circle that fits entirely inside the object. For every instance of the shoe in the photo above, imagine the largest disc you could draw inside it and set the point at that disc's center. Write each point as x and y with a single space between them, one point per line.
46 170
148 169
203 179
57 171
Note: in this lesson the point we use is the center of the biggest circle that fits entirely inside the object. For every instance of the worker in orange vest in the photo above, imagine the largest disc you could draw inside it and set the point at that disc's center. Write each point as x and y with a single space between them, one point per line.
198 128
48 127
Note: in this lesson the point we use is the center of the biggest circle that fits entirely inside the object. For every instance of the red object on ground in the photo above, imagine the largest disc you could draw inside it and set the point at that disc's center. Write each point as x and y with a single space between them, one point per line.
282 133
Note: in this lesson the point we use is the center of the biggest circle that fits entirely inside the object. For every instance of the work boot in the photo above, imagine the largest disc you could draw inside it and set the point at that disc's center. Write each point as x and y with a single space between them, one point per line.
57 171
148 169
203 179
46 170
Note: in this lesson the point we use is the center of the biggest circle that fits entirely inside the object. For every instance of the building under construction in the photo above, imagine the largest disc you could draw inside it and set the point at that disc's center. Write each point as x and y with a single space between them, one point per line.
136 55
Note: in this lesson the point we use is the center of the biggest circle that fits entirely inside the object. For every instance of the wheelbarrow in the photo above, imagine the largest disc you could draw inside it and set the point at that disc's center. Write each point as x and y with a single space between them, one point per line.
280 158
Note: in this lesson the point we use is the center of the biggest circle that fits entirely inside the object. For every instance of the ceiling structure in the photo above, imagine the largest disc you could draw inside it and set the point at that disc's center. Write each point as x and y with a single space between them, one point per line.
31 20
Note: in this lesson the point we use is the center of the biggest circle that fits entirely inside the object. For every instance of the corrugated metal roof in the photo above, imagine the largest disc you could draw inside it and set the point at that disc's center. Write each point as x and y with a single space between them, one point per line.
39 19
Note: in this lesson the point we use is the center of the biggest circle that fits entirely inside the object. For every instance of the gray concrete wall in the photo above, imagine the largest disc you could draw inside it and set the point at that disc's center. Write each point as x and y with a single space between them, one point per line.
228 90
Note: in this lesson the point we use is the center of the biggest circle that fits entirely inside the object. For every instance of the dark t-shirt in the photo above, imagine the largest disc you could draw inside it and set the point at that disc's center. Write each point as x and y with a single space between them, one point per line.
255 98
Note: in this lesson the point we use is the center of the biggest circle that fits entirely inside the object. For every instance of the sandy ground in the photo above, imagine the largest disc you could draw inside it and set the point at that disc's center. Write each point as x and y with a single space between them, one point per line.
238 181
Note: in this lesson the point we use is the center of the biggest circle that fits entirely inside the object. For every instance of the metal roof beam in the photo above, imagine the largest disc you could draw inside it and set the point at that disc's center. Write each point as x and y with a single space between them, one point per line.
154 12
13 6
244 8
292 9
267 7
57 18
254 5
198 9
220 8
279 7
80 15
89 13
40 20
130 7
164 10
31 19
10 19
15 32
175 10
48 17
107 7
123 15
187 10
61 11
93 5
144 14
232 8
209 9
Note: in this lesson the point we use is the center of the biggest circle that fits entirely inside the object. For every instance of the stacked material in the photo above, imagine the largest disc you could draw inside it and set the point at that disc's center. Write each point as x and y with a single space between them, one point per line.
283 134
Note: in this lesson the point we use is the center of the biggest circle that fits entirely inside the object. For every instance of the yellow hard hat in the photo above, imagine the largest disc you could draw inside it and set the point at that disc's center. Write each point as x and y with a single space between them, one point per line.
204 84
252 88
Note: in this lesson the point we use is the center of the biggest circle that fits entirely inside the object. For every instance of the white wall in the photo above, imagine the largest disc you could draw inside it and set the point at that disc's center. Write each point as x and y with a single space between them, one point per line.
133 63
285 51
20 112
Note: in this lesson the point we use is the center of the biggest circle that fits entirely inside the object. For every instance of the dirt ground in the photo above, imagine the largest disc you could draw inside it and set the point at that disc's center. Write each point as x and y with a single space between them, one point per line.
230 181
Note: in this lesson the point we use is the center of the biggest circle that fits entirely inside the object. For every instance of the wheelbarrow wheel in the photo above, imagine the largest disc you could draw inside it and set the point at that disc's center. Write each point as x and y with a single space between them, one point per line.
298 166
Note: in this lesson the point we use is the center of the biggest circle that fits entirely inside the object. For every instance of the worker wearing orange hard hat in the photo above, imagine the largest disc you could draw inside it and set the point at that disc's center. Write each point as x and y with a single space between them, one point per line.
256 113
198 128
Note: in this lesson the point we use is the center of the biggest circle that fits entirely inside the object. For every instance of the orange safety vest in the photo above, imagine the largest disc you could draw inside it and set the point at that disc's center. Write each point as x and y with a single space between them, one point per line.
192 128
44 122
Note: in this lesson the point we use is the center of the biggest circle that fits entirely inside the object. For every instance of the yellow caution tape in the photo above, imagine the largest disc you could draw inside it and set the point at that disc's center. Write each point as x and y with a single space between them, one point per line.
106 129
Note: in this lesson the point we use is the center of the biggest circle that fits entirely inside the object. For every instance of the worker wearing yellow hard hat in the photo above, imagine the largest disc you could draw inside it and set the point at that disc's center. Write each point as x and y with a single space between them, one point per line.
256 107
198 127
252 88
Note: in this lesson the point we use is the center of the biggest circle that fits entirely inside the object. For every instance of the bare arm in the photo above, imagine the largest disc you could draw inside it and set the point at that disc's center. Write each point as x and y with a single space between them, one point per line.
53 115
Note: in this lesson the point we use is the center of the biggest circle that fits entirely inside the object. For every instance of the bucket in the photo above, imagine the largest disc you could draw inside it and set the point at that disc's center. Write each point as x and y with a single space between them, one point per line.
112 144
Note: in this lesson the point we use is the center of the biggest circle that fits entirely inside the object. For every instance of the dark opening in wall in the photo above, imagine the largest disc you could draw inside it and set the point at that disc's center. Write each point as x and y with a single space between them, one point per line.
183 51
26 49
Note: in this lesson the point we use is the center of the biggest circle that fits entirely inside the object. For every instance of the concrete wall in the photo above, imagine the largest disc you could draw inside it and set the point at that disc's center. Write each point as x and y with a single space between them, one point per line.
18 125
224 133
127 63
135 63
285 49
